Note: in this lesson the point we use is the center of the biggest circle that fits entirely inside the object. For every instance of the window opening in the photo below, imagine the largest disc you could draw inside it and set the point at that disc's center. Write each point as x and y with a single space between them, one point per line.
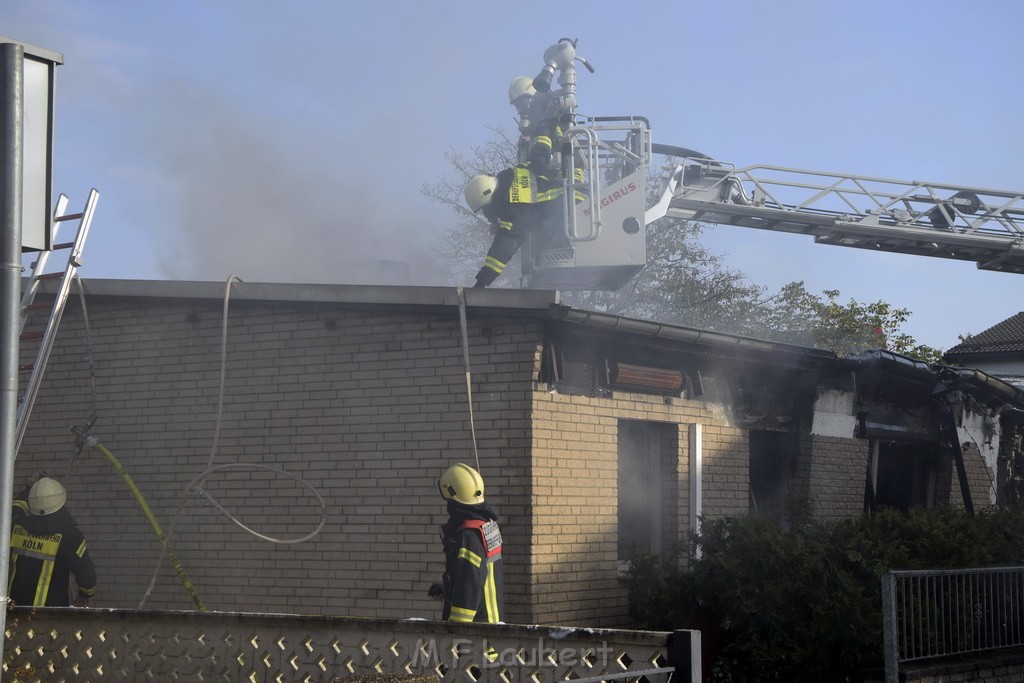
770 454
906 474
647 486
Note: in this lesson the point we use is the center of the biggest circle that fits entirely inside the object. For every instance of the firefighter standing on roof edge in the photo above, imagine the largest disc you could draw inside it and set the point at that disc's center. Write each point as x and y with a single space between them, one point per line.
517 201
472 584
46 548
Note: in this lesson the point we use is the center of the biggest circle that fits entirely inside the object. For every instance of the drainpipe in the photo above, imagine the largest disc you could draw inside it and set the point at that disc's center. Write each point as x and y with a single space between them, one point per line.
696 470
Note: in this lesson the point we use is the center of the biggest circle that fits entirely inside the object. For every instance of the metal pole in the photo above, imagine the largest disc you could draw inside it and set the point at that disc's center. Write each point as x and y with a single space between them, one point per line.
12 114
684 655
890 630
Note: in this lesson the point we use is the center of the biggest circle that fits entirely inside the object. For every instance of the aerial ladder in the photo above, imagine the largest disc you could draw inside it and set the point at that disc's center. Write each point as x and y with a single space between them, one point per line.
906 217
604 240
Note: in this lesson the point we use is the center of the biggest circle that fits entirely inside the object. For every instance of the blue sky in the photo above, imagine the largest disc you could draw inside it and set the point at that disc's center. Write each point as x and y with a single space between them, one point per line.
289 141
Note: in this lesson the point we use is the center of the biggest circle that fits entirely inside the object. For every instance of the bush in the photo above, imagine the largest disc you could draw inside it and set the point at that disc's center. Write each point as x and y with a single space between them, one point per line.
804 604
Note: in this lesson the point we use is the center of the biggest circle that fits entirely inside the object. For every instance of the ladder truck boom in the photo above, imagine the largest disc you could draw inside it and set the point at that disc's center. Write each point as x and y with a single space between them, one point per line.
908 217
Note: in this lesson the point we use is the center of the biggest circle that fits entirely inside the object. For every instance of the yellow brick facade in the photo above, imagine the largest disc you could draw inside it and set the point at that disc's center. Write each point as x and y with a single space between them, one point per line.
575 499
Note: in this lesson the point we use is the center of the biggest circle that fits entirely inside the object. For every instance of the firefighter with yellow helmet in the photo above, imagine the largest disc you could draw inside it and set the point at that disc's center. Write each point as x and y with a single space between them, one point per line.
518 201
523 96
472 584
47 547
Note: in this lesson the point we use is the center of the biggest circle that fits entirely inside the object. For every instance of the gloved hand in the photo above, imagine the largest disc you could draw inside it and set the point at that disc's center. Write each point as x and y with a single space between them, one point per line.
436 591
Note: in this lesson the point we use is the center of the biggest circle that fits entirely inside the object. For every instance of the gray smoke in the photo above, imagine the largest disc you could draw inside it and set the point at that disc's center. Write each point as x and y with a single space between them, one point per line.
279 201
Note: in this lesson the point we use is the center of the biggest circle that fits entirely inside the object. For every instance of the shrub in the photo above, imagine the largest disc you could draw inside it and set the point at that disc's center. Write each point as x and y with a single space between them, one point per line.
804 603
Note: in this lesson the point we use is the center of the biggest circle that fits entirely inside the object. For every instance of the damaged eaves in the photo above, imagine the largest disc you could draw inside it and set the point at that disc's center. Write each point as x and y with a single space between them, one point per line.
884 373
764 385
879 373
767 385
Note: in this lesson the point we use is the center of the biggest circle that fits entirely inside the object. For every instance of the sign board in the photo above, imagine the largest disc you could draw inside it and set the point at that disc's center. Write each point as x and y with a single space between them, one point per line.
37 180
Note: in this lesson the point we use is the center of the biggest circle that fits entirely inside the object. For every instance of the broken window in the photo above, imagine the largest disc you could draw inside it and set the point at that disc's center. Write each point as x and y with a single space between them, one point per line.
647 487
905 474
771 453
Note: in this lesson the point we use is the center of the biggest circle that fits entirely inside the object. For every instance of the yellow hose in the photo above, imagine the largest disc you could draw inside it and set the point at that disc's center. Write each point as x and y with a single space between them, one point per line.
189 588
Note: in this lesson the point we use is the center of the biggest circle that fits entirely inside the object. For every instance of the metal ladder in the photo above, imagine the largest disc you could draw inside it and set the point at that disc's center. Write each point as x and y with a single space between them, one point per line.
33 284
906 217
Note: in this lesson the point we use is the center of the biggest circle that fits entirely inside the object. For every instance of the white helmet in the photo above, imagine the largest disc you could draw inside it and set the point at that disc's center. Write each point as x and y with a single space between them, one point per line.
46 497
523 85
480 191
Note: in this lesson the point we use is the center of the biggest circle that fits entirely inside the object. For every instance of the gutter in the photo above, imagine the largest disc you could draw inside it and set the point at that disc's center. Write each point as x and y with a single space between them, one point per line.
721 340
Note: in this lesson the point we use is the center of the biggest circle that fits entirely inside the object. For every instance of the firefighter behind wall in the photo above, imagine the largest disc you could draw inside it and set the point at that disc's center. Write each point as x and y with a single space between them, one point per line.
47 547
472 585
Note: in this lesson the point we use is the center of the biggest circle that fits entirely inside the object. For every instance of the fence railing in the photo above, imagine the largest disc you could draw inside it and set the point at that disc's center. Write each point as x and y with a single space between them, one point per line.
68 644
942 613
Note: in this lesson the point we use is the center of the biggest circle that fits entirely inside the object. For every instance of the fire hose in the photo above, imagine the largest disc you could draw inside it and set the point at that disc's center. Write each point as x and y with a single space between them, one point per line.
93 442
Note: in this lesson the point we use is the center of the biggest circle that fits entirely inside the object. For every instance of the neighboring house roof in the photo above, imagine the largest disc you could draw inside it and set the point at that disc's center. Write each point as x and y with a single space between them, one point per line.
997 342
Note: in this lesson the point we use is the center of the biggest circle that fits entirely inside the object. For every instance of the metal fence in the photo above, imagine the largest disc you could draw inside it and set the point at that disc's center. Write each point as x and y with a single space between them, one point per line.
68 644
934 614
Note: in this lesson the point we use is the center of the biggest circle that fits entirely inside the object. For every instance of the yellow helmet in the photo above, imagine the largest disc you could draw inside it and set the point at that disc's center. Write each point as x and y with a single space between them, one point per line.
462 484
46 497
523 85
480 191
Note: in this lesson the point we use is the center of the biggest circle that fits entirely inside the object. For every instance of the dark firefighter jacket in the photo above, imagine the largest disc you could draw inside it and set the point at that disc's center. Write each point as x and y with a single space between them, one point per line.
45 551
524 201
473 581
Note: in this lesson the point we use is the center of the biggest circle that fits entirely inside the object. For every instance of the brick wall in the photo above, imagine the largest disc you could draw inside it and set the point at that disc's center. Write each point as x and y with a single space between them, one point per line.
984 667
367 407
980 479
575 503
835 471
726 469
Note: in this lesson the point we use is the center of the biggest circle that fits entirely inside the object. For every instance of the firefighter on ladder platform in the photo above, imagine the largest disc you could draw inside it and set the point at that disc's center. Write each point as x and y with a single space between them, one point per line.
520 201
472 584
523 96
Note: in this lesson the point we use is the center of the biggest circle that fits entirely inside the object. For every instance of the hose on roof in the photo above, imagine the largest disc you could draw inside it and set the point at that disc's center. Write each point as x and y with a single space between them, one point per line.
469 380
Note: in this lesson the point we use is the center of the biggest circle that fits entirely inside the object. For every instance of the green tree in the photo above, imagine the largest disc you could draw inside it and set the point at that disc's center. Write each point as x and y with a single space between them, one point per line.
797 316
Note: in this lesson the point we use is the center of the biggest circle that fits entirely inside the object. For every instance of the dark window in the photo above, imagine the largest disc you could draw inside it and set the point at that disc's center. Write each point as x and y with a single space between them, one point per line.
905 475
648 486
770 456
